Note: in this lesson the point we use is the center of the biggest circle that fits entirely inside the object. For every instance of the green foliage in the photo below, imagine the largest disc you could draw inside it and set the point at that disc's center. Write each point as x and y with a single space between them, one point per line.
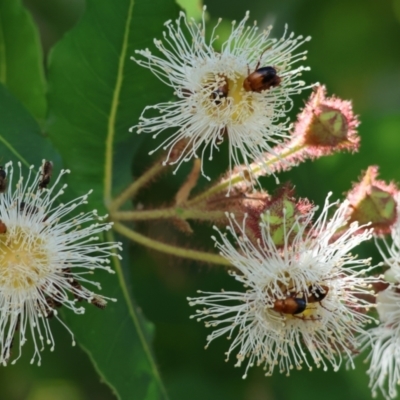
95 94
93 99
118 340
21 69
20 135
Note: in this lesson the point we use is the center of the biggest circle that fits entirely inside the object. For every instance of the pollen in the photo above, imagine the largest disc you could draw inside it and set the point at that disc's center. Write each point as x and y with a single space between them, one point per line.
23 259
225 99
242 102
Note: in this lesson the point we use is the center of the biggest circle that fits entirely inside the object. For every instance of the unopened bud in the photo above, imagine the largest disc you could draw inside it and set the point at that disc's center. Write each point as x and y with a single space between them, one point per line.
327 125
282 215
242 206
373 201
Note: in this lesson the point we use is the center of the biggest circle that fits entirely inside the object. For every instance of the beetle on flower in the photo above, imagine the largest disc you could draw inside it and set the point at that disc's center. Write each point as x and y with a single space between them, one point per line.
303 299
242 92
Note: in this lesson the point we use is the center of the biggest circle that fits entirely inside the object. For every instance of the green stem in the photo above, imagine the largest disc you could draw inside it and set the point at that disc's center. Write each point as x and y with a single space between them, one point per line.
108 165
237 178
173 212
170 249
133 188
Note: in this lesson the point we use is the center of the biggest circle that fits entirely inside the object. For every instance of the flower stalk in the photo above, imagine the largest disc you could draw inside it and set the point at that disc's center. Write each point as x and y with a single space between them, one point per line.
170 249
130 192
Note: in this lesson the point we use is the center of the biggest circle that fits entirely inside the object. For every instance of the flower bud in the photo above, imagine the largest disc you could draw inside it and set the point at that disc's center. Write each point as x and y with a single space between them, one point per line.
327 124
242 204
373 201
281 214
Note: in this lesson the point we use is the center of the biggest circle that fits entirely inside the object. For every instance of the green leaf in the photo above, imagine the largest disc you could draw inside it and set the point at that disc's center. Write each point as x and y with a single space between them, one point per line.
117 339
95 94
20 135
21 60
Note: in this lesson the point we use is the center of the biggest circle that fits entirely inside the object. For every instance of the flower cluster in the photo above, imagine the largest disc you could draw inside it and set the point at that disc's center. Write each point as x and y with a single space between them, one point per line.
306 297
46 253
306 294
302 297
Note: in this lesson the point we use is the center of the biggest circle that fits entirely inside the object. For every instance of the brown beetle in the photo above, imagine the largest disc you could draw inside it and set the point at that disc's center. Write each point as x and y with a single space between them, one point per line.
3 180
3 227
47 171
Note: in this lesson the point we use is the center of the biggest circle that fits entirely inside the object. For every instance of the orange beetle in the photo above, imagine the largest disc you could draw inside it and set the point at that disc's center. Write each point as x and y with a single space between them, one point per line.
261 79
296 305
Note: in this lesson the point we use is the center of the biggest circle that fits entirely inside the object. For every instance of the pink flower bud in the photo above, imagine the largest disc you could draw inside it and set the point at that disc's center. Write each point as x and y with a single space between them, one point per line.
373 201
281 213
327 125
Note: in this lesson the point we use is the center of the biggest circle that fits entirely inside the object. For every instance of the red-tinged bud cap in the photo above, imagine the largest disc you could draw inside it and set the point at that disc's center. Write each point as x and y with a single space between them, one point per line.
241 202
281 214
327 125
373 201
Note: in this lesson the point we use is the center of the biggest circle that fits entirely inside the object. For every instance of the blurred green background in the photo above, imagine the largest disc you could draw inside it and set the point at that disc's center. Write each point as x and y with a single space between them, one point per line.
355 51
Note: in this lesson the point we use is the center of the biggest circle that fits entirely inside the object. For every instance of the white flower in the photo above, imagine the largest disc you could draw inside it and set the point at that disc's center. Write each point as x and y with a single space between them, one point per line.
46 252
384 369
314 273
212 103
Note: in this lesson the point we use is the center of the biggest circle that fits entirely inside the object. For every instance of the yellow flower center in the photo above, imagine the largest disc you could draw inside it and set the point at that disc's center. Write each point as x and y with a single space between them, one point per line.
228 99
23 259
241 101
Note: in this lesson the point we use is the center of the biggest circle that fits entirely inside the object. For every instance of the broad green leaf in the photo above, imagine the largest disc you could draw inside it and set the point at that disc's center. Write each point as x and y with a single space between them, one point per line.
21 60
20 135
95 94
117 340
